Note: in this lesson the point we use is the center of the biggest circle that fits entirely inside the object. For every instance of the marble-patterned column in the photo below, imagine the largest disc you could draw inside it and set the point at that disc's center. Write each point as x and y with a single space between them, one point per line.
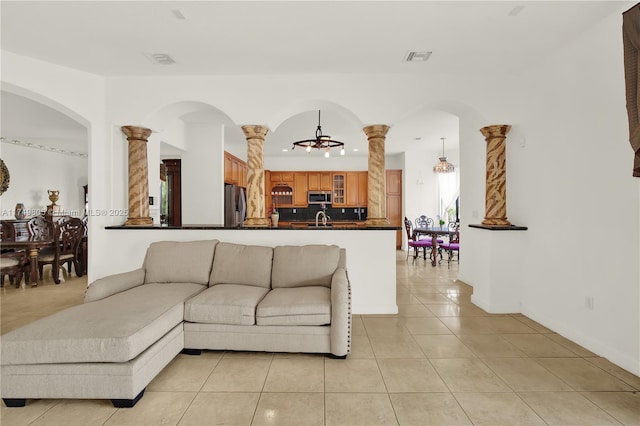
496 180
377 203
138 176
256 214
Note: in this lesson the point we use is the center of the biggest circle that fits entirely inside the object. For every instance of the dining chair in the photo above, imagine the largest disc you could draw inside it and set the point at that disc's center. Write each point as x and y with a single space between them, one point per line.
67 237
426 222
39 227
453 245
13 264
416 244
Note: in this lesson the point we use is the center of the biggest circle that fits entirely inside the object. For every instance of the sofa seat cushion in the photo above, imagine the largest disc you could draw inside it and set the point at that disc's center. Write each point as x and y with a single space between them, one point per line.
302 266
179 262
295 306
225 304
242 264
115 329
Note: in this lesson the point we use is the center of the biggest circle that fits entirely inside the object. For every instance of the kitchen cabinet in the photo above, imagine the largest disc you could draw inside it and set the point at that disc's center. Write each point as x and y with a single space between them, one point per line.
300 188
235 170
351 191
319 181
282 178
363 189
356 192
338 190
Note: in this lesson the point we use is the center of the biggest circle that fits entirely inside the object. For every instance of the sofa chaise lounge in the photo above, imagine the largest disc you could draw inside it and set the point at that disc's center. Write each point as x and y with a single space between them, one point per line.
187 296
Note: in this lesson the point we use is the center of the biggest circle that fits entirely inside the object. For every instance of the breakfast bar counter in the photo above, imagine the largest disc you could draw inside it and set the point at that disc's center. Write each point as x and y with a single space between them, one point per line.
371 252
303 225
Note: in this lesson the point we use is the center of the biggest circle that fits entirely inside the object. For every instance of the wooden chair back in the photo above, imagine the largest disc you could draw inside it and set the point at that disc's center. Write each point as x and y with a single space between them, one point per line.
69 235
40 228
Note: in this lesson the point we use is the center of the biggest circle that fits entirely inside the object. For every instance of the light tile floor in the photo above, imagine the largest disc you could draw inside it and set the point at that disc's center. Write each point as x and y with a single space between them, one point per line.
440 361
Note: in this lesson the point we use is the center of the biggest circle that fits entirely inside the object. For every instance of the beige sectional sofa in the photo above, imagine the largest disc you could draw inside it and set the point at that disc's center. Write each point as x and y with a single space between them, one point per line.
188 296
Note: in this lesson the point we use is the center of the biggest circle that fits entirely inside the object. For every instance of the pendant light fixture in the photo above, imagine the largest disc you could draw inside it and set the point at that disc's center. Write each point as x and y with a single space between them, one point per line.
320 142
443 166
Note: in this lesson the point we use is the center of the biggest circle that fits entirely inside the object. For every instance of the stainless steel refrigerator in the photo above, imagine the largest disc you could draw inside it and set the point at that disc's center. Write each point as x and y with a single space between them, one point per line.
235 206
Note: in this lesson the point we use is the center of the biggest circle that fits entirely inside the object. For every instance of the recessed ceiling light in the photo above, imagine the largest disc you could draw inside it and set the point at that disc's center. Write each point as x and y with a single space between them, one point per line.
160 58
285 150
356 149
417 56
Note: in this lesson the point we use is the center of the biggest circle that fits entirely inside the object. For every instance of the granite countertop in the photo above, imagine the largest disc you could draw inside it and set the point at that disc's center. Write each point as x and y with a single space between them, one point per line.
337 225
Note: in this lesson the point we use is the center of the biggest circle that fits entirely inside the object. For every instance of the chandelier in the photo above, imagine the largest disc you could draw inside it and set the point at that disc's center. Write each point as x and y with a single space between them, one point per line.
320 142
443 166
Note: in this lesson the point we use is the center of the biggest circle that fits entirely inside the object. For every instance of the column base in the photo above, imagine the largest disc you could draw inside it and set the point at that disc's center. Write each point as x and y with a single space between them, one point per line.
258 222
138 221
496 221
377 221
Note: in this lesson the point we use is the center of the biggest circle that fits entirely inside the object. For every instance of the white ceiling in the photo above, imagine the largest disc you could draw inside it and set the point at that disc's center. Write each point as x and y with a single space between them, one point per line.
111 38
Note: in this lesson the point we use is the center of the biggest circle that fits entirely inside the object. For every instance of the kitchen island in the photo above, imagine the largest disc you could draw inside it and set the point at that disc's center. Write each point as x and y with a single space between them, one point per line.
371 253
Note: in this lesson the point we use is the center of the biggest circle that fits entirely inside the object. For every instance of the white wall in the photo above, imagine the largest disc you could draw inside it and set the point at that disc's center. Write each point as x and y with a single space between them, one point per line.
580 199
202 174
34 171
570 111
569 180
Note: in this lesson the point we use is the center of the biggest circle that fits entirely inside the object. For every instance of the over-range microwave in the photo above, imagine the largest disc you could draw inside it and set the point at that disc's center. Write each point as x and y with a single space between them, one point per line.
319 197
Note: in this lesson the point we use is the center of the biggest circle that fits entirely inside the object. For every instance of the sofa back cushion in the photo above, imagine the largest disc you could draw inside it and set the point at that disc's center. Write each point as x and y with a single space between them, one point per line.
179 262
242 264
299 266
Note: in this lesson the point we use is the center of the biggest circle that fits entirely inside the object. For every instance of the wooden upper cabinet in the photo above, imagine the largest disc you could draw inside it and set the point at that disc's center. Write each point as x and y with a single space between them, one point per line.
227 168
319 181
235 170
338 190
282 178
300 188
363 189
351 191
357 189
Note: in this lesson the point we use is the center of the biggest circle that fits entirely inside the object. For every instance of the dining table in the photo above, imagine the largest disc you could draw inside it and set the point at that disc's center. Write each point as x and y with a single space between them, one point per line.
33 245
434 232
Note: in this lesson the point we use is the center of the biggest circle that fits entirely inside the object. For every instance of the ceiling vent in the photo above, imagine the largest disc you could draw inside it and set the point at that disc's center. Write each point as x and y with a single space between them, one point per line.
178 14
160 58
417 56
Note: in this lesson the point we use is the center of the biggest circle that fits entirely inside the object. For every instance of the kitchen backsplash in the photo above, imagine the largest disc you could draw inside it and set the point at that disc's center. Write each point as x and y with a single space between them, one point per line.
309 213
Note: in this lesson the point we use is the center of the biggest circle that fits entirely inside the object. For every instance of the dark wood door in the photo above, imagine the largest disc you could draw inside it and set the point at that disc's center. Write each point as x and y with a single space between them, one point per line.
174 195
394 202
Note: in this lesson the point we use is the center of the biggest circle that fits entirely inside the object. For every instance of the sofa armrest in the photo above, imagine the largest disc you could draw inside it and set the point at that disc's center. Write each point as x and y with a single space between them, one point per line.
340 313
112 284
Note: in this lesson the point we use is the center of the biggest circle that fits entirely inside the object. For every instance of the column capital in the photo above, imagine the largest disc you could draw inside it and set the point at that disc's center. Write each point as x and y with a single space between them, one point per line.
376 131
495 131
255 131
136 133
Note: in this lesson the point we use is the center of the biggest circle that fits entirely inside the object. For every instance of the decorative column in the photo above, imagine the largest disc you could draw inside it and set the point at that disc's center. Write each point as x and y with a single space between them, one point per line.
256 215
496 181
138 176
377 205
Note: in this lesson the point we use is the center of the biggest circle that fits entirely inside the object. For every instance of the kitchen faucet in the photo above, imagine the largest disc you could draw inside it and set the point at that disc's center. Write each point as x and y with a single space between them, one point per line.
324 217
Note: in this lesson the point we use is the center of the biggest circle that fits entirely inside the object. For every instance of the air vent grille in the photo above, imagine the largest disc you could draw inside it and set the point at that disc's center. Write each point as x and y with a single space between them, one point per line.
417 56
160 58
